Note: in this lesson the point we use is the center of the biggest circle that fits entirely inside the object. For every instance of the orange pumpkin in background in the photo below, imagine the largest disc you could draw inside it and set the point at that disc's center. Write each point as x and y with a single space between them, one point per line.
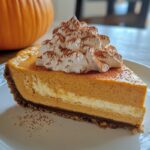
23 21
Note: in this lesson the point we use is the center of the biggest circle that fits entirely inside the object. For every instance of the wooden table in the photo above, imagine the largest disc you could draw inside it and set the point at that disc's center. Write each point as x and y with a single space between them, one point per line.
132 43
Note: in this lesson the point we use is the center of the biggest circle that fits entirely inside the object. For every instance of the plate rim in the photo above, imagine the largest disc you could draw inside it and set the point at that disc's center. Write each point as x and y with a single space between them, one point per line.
137 63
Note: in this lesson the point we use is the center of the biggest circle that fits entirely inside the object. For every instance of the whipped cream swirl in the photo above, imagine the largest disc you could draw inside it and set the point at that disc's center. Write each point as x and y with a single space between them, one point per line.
77 47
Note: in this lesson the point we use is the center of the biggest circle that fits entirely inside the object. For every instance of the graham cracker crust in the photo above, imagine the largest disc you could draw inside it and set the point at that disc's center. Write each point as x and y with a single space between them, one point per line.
101 122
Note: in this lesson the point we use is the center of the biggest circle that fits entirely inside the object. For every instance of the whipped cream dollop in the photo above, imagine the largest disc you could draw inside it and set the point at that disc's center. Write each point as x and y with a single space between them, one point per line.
77 47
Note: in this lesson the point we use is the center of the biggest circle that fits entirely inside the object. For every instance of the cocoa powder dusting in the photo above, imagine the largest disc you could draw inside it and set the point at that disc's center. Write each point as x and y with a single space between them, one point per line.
32 120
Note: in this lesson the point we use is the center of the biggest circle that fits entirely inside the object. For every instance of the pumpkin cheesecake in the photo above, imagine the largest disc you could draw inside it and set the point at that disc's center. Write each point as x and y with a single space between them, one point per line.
78 74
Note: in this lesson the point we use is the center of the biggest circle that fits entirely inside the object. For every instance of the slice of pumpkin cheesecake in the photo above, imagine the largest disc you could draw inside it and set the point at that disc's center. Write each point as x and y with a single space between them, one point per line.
77 74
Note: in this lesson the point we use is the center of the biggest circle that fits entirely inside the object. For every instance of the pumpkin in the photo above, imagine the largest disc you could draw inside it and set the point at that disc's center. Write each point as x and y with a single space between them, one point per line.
23 21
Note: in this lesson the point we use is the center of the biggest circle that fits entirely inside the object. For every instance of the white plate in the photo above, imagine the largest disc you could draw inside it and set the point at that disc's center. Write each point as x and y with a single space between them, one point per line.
66 134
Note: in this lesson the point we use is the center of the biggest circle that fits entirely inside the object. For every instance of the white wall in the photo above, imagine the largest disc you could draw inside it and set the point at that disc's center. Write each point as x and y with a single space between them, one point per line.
64 9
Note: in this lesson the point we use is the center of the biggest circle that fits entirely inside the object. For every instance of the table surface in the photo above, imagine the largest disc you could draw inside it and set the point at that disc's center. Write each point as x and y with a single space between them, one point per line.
132 43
